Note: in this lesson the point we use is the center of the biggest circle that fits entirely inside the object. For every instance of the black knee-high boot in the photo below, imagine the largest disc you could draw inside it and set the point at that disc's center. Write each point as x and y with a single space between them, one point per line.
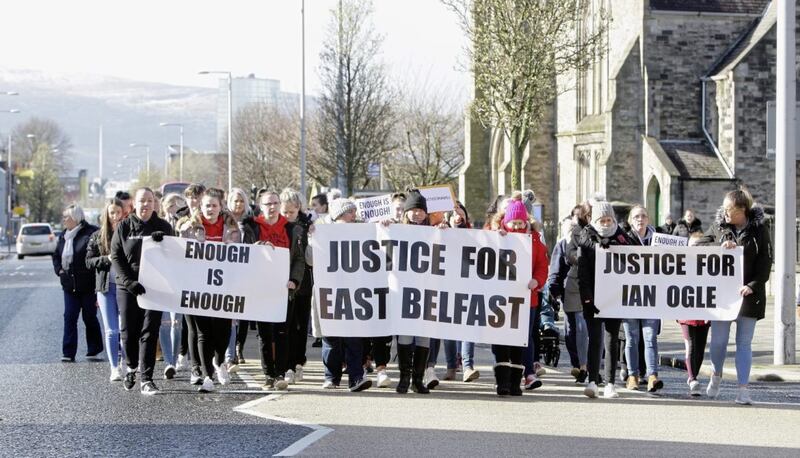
420 364
404 362
502 372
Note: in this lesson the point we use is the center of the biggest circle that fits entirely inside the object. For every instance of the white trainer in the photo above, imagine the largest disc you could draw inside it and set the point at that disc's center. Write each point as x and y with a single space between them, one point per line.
207 386
223 376
183 363
298 373
383 379
328 385
116 375
430 380
591 390
743 396
289 377
610 391
713 386
694 388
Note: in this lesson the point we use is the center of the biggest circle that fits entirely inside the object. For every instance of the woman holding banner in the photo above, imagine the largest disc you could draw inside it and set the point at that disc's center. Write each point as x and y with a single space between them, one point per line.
740 223
348 351
458 218
274 229
412 352
138 327
510 361
641 233
239 208
293 210
97 259
603 231
211 223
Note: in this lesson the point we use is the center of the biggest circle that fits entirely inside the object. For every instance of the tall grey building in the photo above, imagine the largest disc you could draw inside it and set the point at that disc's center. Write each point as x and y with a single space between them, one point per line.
246 91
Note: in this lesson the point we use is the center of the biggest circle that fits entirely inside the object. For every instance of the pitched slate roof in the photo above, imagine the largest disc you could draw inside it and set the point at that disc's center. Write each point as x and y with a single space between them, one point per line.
694 159
711 6
750 38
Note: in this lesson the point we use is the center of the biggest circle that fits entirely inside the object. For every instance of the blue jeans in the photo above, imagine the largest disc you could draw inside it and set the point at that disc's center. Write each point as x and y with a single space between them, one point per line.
632 336
336 350
720 332
169 336
230 352
109 312
450 353
74 304
468 354
531 353
577 338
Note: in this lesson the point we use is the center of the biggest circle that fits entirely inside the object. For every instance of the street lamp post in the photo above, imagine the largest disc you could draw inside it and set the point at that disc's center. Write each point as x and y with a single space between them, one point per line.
9 182
147 163
180 166
230 121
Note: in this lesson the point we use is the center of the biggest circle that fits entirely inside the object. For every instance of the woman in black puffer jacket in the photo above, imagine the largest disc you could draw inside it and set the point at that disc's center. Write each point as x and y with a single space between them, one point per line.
137 325
603 231
77 281
740 223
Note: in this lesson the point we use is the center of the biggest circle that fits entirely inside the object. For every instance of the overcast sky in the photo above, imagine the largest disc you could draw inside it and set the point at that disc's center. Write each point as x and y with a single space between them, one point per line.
169 41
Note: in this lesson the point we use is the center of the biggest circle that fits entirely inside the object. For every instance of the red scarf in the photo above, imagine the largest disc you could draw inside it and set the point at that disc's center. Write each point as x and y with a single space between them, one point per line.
215 231
273 233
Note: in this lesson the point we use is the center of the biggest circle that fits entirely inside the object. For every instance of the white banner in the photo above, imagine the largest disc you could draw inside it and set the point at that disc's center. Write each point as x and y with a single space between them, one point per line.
459 284
668 240
671 283
438 198
374 209
232 280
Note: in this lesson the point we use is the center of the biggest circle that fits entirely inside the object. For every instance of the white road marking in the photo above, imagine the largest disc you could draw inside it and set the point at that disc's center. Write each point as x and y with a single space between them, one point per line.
19 267
318 431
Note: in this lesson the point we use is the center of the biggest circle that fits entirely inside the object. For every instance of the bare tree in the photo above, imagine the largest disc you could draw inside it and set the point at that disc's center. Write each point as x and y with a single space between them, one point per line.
518 48
267 145
429 138
208 169
28 137
39 187
355 119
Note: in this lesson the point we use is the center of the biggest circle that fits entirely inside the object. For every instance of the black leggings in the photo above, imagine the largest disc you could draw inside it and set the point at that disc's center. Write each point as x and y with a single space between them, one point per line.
298 330
695 338
138 330
508 354
275 363
599 339
379 348
211 336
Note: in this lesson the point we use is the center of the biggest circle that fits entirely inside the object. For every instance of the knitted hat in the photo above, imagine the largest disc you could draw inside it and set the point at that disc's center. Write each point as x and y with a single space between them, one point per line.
339 207
415 200
601 209
515 210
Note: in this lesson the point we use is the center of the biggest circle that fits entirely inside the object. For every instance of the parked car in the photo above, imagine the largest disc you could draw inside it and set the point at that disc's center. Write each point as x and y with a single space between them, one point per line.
37 238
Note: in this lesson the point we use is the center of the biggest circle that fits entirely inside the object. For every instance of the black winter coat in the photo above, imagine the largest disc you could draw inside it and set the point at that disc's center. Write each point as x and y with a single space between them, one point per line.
754 238
126 246
306 287
100 264
586 257
78 279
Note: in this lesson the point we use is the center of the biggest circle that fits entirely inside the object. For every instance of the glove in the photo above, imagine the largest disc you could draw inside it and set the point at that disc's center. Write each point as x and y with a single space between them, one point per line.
157 236
136 288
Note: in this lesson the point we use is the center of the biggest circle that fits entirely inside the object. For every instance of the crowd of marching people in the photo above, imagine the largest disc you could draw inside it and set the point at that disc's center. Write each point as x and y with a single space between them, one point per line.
99 268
